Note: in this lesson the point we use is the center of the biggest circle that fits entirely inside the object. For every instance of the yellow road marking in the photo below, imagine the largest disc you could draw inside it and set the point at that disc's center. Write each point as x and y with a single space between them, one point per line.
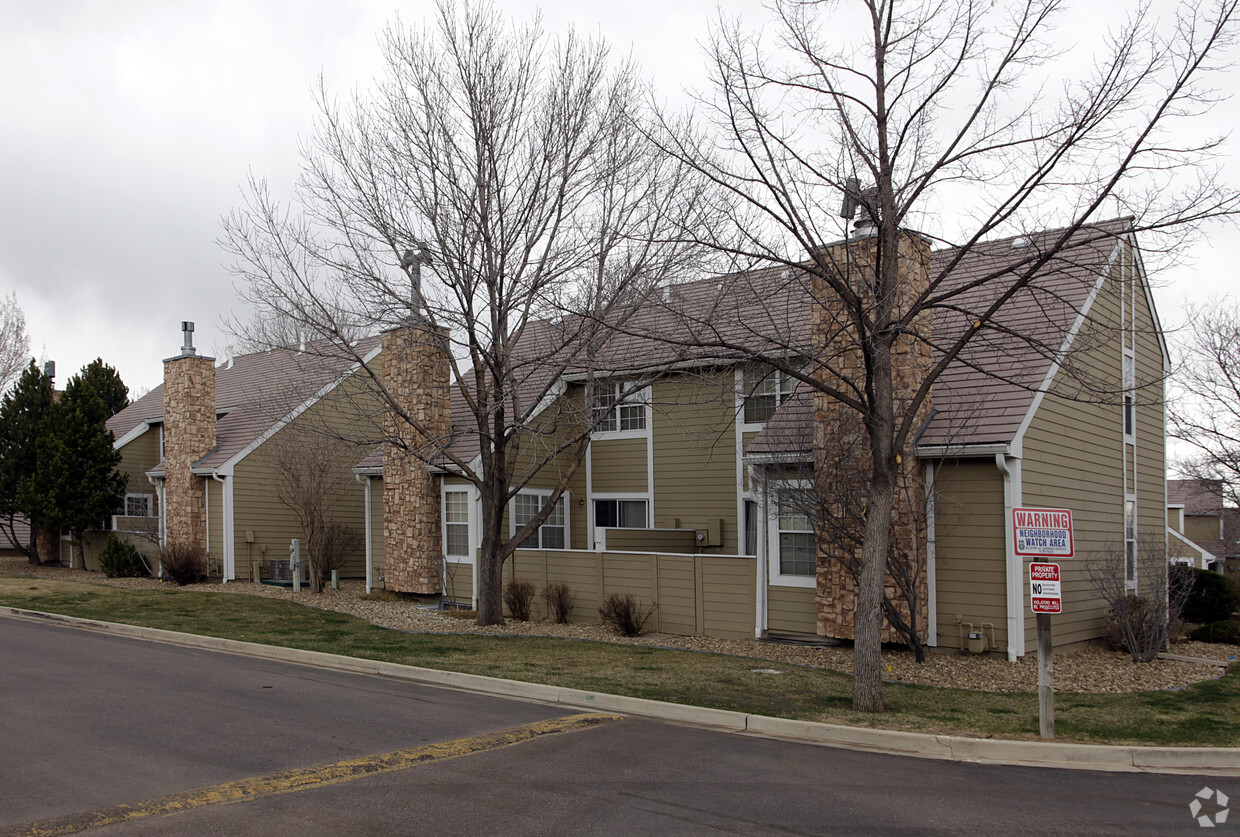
306 778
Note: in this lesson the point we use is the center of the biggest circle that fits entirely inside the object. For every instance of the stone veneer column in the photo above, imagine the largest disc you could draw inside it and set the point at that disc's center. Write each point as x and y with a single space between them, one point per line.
416 374
841 446
189 435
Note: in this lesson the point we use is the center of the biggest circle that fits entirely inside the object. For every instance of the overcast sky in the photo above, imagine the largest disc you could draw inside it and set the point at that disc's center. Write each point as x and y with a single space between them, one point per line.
129 127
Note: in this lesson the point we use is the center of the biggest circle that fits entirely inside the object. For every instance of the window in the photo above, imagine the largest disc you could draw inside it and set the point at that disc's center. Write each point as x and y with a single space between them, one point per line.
139 505
796 546
751 527
456 524
764 391
1130 543
620 514
1130 386
612 414
551 534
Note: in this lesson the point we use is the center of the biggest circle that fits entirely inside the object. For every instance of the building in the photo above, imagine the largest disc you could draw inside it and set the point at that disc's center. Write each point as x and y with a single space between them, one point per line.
678 497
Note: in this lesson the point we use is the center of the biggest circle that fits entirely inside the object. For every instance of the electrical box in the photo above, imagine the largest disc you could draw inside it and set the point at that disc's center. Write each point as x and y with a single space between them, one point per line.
249 536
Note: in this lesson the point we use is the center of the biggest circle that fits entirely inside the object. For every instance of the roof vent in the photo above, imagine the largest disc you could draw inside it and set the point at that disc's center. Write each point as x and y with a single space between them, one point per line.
187 339
1021 242
49 369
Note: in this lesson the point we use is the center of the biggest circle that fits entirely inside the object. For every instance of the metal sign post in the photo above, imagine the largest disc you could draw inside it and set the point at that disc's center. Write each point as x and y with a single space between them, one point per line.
1044 533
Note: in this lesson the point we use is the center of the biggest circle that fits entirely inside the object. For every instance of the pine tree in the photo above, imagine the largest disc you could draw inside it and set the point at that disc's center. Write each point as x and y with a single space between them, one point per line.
25 415
107 383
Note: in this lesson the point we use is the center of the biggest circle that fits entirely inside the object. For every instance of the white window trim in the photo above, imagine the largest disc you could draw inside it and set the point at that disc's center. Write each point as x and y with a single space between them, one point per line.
1129 387
1131 584
775 577
741 395
544 493
639 395
468 491
596 538
150 504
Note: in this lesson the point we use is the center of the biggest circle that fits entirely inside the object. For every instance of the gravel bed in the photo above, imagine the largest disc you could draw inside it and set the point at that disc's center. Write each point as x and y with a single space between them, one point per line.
1089 670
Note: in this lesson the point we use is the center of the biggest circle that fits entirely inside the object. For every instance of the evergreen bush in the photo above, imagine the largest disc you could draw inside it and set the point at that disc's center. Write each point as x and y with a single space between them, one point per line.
1214 596
1226 631
121 559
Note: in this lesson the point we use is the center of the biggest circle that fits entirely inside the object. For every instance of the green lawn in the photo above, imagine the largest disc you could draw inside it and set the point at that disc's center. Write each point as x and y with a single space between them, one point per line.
1202 715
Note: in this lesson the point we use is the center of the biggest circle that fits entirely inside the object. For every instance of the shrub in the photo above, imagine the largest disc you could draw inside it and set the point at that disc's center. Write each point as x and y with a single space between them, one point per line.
625 614
1214 597
1225 631
121 559
518 596
184 563
559 601
1137 625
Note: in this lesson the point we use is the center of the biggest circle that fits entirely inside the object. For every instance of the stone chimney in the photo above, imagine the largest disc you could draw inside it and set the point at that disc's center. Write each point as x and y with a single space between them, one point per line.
416 372
189 434
841 446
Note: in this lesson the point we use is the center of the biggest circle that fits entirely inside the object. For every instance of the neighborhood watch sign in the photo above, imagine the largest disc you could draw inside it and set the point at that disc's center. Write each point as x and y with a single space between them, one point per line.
1042 533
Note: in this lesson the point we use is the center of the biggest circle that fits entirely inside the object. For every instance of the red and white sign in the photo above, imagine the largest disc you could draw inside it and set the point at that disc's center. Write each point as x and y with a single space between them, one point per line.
1044 596
1042 533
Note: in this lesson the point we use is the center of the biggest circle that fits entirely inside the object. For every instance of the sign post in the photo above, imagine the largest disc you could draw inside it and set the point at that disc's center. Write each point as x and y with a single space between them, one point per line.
1044 533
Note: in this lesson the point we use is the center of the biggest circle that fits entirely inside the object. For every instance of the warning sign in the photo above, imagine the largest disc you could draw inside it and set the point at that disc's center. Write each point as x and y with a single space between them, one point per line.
1044 595
1042 533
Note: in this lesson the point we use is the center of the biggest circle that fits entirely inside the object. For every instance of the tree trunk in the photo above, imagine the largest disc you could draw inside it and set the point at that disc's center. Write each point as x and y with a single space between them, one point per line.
490 590
868 636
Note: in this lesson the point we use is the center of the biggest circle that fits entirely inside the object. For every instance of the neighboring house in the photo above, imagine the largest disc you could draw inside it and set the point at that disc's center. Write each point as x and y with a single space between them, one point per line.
21 531
216 430
676 500
1197 528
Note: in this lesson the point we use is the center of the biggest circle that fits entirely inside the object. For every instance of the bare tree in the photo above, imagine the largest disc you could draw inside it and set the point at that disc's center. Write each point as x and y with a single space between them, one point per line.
1205 411
312 474
14 341
902 110
1143 621
493 187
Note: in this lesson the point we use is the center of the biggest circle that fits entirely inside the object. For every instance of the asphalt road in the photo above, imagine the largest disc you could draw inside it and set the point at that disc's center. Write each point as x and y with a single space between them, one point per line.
104 729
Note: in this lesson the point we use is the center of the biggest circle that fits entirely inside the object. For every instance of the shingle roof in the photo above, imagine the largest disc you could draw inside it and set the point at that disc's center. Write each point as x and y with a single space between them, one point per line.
252 393
1198 497
984 395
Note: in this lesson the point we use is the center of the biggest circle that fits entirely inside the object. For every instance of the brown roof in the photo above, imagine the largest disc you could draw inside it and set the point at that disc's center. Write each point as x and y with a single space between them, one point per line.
983 397
252 393
1198 497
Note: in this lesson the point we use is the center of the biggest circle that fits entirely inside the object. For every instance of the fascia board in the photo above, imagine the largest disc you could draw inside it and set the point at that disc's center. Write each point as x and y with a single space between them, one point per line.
134 432
962 451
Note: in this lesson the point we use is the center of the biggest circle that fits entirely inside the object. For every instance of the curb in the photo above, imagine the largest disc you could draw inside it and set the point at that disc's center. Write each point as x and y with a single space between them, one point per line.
1195 760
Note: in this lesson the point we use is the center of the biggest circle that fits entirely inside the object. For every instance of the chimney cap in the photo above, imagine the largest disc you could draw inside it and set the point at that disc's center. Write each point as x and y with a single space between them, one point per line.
187 343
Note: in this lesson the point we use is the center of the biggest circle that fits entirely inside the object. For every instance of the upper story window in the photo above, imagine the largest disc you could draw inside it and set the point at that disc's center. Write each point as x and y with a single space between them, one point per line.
1130 386
764 390
617 408
552 534
139 505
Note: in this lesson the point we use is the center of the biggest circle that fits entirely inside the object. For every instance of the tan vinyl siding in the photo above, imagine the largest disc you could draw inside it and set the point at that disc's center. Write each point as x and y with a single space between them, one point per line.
215 528
137 457
459 578
791 609
1202 529
619 466
696 594
1074 457
970 549
695 454
256 507
651 540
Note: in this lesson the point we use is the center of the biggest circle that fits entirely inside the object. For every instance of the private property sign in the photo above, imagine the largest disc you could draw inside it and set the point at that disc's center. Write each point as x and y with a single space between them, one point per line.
1042 533
1044 594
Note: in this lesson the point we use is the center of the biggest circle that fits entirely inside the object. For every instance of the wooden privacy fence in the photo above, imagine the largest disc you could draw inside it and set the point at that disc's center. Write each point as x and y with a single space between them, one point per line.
697 595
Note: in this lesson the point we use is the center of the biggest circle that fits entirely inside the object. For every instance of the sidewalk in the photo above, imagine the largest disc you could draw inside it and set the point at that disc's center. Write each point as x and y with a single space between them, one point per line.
1192 760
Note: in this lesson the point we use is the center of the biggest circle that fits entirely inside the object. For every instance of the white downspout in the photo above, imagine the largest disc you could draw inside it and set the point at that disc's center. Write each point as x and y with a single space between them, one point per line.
1009 466
761 603
370 554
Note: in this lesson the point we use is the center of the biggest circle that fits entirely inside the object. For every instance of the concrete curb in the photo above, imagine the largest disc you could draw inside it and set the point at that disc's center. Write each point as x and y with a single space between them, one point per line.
1197 760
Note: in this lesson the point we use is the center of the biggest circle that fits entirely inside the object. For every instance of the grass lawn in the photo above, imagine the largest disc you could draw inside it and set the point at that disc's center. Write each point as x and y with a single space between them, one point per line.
1207 714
